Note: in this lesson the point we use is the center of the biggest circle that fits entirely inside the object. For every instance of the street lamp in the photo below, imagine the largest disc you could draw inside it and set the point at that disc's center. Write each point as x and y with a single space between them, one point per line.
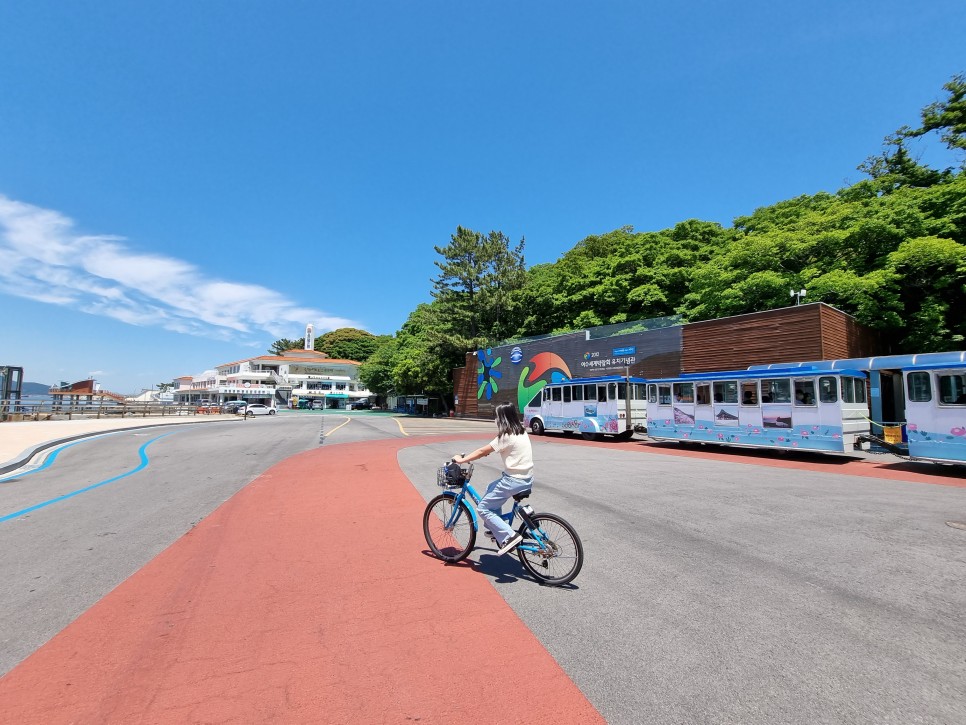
797 294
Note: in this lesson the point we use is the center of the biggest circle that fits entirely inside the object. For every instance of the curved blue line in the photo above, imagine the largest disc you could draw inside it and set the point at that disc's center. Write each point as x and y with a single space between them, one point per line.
144 462
51 458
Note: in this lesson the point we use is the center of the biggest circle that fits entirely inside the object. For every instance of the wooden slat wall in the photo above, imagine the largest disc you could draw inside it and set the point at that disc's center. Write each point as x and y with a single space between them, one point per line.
790 334
843 337
464 385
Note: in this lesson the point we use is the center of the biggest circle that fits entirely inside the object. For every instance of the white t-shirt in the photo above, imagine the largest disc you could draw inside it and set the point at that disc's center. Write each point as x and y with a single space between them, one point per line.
517 454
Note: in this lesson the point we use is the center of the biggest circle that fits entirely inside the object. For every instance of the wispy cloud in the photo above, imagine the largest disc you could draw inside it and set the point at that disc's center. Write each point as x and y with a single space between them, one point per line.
43 258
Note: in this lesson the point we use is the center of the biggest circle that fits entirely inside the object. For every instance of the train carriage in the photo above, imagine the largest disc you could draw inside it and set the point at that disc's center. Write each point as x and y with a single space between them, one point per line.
794 408
611 405
936 411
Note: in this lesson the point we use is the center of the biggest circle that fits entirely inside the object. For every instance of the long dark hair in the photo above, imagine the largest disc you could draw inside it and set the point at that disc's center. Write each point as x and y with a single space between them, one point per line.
508 420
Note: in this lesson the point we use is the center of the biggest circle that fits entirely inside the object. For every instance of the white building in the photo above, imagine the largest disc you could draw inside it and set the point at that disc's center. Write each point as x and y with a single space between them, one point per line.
279 380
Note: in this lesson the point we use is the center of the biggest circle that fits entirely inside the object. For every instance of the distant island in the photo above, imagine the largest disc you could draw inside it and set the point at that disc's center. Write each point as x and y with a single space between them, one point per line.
35 389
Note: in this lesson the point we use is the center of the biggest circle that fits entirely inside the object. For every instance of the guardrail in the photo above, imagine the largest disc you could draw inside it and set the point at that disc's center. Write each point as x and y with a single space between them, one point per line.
25 410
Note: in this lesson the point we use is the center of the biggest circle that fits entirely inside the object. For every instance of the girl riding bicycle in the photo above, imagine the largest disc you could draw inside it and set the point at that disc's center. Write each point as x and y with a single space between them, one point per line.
513 445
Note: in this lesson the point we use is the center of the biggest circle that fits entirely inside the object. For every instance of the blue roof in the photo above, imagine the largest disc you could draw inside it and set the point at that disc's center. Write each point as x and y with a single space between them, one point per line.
883 362
755 374
936 366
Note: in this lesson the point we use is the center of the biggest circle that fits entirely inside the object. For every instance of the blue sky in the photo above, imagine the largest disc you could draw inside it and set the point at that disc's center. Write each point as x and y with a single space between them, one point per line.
183 183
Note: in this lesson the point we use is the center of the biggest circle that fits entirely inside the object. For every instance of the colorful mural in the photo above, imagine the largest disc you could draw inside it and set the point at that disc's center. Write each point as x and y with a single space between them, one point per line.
568 357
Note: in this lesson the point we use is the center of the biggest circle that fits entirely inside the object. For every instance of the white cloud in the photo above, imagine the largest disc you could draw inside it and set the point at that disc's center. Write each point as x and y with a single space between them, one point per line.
44 259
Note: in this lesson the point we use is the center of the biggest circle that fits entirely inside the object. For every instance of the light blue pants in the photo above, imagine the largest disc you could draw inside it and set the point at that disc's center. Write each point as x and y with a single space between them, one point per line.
491 505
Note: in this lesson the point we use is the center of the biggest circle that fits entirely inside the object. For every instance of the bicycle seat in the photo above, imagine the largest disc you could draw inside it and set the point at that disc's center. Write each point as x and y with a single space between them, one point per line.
522 495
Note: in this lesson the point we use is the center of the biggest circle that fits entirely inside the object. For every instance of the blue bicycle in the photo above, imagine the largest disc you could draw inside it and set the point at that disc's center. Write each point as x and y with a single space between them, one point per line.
551 550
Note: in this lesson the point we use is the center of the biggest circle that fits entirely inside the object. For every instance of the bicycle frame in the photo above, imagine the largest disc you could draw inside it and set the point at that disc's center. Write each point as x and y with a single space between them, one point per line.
468 491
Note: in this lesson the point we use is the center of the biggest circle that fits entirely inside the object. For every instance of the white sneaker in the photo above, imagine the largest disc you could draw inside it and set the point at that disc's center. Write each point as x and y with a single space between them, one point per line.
511 543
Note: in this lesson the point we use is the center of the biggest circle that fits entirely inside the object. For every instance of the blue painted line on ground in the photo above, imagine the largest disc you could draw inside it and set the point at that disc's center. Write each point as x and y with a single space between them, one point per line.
143 464
53 456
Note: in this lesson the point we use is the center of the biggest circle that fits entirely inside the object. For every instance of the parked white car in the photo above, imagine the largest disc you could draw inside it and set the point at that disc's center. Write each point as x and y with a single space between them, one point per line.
253 409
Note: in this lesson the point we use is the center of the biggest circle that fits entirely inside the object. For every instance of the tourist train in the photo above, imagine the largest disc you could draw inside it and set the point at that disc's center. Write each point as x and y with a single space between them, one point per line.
911 405
799 408
612 405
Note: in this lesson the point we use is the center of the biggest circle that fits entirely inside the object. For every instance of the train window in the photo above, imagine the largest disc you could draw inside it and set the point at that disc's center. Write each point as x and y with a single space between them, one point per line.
578 392
703 394
917 385
853 390
546 393
684 392
641 389
611 391
726 392
952 389
535 403
848 391
555 395
776 390
664 394
566 394
828 390
590 392
749 393
651 393
860 396
804 392
622 391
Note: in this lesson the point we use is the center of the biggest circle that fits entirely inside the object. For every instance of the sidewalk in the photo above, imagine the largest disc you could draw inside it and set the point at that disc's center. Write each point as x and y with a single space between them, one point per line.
20 440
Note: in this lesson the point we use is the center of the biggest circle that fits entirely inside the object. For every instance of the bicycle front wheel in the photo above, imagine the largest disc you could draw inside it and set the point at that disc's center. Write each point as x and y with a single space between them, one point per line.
449 529
552 552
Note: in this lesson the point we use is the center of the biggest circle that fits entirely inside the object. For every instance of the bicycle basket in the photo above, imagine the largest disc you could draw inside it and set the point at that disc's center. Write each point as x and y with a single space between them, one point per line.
452 475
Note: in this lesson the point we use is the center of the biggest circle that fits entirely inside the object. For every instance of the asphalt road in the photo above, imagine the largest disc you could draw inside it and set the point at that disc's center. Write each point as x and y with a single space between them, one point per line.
713 591
722 592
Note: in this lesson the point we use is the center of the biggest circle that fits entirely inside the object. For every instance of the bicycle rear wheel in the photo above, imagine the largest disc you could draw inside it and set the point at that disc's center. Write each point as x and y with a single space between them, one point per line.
450 537
553 553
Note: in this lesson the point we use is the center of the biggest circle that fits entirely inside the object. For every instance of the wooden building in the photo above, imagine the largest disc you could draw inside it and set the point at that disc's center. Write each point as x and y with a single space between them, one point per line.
814 331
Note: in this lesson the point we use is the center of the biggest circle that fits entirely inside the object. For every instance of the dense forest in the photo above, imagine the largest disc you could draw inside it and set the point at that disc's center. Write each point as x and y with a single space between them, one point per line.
889 249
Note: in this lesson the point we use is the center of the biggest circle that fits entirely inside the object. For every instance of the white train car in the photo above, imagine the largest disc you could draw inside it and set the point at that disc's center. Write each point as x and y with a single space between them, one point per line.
793 408
613 405
936 411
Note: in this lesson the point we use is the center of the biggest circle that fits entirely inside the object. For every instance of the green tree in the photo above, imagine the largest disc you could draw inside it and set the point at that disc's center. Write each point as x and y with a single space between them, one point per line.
474 292
425 356
948 117
347 343
931 273
280 346
376 372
